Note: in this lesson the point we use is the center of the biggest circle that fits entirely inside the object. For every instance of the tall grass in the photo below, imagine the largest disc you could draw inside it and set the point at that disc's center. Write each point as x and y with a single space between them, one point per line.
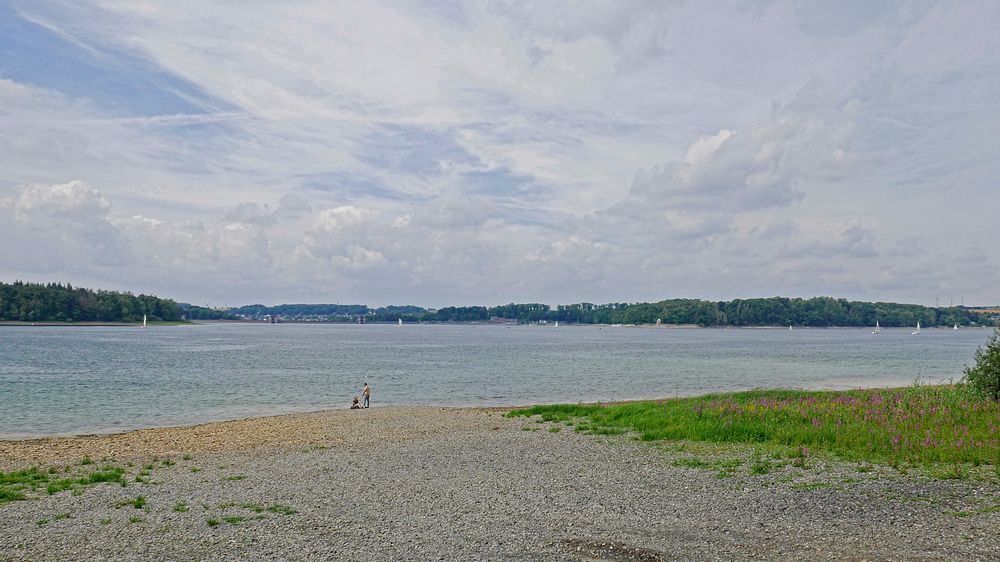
920 424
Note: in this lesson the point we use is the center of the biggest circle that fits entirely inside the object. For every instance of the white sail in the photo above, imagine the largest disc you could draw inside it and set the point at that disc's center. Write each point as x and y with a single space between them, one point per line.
400 322
918 329
956 327
143 320
877 328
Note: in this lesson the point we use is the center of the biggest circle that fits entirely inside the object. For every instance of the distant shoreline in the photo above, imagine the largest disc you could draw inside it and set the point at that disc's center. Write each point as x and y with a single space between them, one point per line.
52 323
56 323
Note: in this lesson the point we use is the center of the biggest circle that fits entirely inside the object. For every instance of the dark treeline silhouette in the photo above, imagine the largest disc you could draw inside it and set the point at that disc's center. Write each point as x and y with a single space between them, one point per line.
775 311
55 302
34 302
301 310
194 312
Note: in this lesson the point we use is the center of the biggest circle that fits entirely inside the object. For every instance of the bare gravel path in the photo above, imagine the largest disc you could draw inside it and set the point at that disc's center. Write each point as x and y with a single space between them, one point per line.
436 484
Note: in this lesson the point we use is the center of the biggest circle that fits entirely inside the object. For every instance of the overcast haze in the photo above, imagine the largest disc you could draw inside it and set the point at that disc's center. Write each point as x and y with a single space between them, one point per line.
439 153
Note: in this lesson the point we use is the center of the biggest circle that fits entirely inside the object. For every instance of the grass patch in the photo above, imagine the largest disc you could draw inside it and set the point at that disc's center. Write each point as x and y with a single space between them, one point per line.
181 507
234 477
135 519
761 466
212 522
186 457
105 521
233 519
10 496
916 425
281 509
15 485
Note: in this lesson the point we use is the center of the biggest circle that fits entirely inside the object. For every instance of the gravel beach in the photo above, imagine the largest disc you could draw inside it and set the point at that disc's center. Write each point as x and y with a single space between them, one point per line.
470 484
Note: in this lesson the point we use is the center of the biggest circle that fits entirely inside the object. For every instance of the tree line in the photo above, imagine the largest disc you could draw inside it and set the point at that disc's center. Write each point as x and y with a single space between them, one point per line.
774 311
55 302
35 302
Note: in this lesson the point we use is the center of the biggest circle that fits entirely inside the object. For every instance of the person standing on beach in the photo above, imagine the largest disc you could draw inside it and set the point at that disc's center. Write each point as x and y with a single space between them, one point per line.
367 392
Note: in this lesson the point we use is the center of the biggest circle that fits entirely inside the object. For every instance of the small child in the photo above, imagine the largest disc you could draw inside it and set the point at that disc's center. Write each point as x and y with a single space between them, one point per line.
355 405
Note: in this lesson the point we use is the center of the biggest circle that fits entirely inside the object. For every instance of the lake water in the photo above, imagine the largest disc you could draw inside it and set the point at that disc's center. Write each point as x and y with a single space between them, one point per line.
73 380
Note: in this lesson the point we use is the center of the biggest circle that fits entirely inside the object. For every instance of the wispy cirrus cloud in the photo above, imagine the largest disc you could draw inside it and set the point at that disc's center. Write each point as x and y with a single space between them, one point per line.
443 153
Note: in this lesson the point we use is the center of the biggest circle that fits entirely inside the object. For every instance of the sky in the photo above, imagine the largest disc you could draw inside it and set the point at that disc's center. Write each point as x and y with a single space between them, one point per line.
454 153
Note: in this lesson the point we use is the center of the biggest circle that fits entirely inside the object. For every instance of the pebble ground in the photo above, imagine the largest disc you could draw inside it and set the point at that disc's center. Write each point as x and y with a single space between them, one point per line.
450 484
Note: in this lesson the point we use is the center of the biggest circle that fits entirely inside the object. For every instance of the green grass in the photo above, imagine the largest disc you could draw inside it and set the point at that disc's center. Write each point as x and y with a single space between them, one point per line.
212 522
15 485
181 507
916 425
233 519
234 477
281 509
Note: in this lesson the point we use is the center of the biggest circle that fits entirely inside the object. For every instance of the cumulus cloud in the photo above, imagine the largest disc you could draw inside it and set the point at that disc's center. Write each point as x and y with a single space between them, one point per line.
442 153
51 228
767 165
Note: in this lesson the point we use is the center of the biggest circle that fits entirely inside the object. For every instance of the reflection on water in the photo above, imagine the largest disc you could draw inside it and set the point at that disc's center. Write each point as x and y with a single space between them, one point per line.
70 380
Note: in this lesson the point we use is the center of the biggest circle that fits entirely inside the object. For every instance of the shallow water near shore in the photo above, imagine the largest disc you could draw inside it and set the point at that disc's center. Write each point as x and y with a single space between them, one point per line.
66 381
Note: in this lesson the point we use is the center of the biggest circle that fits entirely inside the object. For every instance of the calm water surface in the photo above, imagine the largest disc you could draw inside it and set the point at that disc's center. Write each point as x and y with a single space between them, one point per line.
72 380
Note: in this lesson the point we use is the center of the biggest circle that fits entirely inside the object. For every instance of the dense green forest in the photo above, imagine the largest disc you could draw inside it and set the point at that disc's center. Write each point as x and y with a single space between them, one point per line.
300 310
54 302
34 302
193 312
775 311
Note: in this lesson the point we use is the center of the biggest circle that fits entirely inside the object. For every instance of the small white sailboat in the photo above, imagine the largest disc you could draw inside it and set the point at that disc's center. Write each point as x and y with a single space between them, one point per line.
556 324
917 331
789 327
143 320
956 327
400 322
877 329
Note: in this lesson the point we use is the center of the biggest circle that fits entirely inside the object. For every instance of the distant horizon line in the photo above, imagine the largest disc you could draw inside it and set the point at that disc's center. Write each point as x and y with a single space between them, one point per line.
996 304
551 305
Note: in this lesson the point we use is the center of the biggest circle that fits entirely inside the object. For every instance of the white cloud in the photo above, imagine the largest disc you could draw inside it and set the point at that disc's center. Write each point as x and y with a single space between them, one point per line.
492 151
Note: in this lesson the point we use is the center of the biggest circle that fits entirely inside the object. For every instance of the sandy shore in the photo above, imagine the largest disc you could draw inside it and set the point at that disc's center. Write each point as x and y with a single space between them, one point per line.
469 484
261 435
